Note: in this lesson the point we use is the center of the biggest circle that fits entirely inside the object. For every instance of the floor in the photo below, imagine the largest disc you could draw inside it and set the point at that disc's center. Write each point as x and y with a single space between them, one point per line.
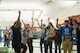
37 47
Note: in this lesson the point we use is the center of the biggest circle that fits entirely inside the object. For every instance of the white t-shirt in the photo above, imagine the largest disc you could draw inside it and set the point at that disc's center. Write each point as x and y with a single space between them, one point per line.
29 33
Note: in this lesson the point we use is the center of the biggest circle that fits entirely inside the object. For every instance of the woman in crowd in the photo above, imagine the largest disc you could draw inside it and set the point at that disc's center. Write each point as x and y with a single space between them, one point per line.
6 38
28 31
74 34
42 34
58 39
49 34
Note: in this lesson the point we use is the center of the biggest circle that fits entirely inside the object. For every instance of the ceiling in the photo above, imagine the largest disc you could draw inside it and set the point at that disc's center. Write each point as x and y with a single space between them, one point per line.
38 9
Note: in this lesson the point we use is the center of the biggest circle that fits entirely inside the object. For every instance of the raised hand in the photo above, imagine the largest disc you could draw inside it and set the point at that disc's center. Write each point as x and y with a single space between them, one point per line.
49 19
19 12
36 19
18 20
22 21
41 20
32 22
32 18
57 19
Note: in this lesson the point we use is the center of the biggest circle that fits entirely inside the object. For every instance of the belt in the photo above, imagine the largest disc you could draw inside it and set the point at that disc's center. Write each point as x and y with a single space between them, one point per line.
67 38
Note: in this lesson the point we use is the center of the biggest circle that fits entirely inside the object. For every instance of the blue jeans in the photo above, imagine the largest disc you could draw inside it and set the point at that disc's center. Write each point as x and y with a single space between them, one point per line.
57 44
41 43
6 42
48 43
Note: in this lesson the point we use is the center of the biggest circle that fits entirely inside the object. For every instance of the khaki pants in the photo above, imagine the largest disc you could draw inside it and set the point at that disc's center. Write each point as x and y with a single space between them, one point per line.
67 46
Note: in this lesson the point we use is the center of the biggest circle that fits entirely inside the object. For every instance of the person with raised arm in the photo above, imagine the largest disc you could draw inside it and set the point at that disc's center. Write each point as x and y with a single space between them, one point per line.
16 29
66 32
16 37
29 34
48 39
58 39
42 34
49 20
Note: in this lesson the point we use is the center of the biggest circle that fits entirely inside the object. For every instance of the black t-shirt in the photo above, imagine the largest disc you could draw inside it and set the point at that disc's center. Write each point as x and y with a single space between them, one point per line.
5 37
16 34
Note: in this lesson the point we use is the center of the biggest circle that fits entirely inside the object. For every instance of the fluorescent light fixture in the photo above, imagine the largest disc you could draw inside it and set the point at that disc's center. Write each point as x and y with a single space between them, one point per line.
67 3
8 15
13 15
21 5
26 16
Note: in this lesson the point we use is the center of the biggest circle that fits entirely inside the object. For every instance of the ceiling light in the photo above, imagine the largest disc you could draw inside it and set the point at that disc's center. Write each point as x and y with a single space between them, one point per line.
67 3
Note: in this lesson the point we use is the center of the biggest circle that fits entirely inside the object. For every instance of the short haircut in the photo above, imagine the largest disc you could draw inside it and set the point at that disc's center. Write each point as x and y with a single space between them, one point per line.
27 24
44 25
66 21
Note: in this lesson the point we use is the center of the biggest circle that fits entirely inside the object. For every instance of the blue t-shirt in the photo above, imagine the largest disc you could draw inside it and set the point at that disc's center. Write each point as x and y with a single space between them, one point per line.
66 30
42 33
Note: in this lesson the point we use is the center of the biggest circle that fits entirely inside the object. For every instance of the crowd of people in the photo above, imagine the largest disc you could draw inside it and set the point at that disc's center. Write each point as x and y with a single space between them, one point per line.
60 35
